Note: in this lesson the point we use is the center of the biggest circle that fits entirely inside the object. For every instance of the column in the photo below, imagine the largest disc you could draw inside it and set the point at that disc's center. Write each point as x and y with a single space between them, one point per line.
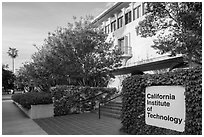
109 21
103 26
116 18
132 10
123 12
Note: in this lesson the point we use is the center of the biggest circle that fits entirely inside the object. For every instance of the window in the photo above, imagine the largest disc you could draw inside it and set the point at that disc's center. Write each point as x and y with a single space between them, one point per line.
124 44
144 8
113 26
136 12
128 17
137 31
103 29
107 29
121 44
120 22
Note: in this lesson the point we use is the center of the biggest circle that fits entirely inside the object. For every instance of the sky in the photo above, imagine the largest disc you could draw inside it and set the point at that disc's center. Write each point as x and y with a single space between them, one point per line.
28 23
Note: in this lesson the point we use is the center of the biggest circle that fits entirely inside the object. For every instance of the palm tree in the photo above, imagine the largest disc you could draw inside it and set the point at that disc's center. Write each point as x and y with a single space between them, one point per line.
13 53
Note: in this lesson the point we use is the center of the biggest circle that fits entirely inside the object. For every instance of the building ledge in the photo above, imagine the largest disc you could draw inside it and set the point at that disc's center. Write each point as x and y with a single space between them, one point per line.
148 66
128 56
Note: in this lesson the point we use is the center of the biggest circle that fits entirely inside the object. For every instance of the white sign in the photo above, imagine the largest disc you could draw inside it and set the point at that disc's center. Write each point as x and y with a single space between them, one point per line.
165 107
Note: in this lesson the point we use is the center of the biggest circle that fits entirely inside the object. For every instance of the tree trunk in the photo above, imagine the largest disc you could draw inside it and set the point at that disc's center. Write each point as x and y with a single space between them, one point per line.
13 65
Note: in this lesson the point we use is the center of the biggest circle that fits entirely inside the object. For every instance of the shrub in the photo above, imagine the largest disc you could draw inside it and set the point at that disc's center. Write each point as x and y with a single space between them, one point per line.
133 93
76 99
32 98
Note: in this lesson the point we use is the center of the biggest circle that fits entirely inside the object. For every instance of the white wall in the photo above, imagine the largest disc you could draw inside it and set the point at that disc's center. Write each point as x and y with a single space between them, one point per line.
141 47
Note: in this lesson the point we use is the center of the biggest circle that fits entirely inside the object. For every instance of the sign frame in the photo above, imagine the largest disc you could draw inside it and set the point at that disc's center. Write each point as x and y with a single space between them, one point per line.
165 107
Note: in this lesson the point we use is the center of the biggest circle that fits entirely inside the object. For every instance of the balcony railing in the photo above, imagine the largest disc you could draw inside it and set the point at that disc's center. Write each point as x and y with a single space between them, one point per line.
127 52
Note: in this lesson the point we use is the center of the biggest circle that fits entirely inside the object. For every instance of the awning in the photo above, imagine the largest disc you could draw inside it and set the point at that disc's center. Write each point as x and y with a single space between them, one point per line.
154 65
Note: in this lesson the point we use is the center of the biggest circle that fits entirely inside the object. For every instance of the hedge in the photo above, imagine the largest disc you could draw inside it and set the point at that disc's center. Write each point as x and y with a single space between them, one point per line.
32 98
71 99
133 98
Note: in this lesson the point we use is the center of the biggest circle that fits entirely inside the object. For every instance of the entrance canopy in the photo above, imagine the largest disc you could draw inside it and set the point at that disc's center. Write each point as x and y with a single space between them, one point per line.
170 62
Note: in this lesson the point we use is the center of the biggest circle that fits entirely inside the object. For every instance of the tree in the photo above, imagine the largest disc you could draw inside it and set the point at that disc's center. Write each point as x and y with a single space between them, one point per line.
28 76
78 54
176 27
13 53
7 78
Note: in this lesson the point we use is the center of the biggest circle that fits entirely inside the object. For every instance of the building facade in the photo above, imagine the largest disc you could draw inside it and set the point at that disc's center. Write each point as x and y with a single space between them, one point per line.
121 22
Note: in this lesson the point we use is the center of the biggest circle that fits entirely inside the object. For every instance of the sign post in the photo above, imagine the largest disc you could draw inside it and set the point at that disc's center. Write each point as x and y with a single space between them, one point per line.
165 107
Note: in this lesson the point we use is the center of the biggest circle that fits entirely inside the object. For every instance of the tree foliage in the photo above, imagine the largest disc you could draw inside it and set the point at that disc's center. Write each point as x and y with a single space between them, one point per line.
133 110
177 28
78 54
7 78
12 52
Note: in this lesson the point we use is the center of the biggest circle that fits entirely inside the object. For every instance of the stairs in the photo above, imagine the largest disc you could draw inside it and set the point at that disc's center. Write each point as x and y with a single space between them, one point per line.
111 109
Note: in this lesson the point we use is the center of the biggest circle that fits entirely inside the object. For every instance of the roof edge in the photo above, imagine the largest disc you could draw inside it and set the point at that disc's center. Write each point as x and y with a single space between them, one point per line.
105 12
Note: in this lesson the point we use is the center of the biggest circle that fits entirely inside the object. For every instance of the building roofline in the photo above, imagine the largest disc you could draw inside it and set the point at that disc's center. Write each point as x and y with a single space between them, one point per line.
101 15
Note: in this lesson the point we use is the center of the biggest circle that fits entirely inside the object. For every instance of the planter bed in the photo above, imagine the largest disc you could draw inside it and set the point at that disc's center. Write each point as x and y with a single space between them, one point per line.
38 111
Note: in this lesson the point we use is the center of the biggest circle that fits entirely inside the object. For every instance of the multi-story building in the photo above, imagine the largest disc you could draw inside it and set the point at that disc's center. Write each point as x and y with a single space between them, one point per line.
120 22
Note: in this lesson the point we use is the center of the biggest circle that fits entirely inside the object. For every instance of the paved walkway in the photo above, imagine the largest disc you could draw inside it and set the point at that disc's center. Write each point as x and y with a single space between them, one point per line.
80 124
6 97
15 122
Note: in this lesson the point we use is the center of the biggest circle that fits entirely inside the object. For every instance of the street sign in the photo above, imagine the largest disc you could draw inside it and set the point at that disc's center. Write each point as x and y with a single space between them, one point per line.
165 107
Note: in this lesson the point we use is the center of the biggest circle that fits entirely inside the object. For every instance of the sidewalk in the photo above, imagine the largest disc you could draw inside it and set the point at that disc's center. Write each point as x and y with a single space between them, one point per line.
81 124
15 122
6 97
